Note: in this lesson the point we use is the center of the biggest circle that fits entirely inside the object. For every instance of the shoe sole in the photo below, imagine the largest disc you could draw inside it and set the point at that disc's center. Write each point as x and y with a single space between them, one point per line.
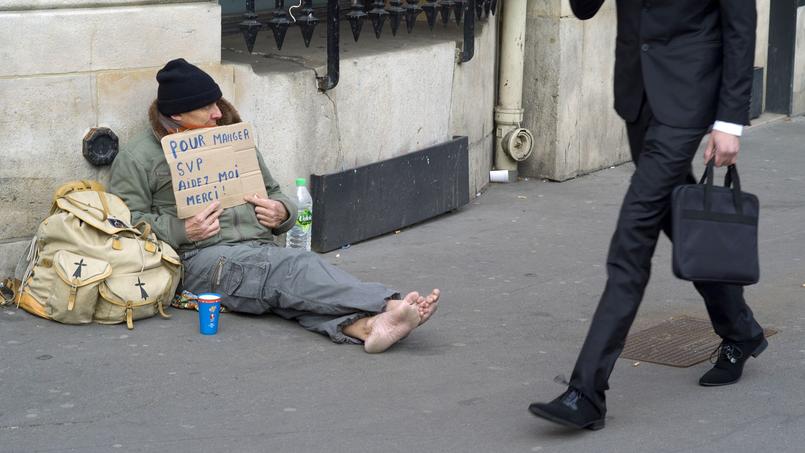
758 350
594 425
720 384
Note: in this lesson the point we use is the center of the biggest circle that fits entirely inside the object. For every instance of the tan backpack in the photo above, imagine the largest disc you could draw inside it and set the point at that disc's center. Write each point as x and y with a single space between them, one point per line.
88 263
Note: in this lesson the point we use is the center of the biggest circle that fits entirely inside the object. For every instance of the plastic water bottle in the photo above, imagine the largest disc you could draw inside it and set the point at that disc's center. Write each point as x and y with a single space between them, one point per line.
299 236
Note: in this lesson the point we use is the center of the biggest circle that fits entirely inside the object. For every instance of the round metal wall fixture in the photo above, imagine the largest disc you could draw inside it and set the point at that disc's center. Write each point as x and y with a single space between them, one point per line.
518 144
100 146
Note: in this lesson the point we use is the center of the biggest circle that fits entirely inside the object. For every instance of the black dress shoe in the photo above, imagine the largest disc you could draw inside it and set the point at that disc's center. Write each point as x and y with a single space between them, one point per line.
571 409
729 359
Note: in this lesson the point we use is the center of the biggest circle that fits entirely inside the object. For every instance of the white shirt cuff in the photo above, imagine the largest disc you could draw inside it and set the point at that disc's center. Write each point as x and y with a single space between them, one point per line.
728 128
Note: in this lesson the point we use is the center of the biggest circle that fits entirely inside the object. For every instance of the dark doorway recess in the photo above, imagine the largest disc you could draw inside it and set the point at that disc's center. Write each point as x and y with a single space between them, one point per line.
782 45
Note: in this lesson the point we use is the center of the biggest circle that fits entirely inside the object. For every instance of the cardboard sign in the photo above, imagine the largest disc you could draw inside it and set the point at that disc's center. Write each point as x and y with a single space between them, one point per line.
217 163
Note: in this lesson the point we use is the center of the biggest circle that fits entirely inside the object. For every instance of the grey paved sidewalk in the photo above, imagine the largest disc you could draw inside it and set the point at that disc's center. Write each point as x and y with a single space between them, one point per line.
521 269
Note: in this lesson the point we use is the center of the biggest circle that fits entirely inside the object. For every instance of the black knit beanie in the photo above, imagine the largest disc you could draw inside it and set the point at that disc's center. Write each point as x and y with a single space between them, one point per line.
184 87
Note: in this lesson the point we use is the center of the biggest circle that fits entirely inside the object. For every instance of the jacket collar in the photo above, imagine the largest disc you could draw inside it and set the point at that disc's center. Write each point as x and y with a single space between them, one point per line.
228 112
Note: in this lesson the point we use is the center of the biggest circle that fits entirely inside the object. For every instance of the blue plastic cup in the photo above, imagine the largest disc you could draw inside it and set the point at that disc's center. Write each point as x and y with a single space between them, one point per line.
209 308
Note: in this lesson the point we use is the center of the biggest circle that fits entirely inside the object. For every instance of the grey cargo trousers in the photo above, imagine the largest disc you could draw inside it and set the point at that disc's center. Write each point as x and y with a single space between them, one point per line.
294 284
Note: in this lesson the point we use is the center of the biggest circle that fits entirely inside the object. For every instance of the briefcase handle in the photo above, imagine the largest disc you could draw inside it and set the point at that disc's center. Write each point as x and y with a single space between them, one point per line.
731 180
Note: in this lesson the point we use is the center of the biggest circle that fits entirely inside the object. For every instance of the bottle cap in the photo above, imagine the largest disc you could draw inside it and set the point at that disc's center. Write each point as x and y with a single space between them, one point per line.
300 182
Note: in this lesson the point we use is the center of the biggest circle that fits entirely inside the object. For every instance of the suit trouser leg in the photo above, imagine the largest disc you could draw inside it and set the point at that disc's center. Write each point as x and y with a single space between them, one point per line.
664 161
731 317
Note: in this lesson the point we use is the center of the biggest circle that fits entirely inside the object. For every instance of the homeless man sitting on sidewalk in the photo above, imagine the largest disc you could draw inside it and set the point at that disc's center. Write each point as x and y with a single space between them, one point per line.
231 251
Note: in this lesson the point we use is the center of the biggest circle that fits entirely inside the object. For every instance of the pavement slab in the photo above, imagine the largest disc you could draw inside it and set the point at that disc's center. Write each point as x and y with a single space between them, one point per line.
520 268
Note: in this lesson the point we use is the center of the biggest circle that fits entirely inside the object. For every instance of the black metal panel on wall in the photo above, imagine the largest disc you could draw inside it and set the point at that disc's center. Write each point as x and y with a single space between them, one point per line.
782 42
379 198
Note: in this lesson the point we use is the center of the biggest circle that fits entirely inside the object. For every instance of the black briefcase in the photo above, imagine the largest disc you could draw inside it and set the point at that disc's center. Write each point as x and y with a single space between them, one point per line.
715 231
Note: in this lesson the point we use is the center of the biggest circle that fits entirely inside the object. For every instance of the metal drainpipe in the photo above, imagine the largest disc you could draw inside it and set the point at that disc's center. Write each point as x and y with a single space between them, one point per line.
512 142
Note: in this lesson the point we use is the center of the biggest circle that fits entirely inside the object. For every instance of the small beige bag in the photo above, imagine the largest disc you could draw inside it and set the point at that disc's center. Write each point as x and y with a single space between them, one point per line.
88 263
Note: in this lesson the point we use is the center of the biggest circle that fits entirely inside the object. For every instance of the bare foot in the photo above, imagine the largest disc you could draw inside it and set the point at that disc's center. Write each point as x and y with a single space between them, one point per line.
427 305
394 324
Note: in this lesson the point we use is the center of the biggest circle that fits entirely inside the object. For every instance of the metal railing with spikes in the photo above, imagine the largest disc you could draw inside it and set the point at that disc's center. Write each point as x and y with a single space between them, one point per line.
378 12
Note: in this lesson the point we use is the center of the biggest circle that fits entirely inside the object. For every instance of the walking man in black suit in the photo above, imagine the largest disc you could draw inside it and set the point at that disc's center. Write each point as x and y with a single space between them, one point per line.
682 67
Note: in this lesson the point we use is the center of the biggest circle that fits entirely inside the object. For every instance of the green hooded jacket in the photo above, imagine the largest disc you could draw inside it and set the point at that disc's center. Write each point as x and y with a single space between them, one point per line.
141 177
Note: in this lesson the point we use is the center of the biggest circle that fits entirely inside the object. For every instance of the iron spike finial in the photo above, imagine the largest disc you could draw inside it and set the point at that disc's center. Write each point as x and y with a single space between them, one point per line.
431 10
279 23
356 16
249 29
412 10
446 6
458 10
307 22
396 13
378 15
250 26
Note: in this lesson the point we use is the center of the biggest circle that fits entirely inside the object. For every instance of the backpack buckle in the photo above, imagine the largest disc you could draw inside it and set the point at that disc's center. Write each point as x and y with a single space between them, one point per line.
7 291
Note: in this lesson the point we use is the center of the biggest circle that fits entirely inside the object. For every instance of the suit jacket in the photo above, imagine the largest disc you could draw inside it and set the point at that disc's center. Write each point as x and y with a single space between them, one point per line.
692 58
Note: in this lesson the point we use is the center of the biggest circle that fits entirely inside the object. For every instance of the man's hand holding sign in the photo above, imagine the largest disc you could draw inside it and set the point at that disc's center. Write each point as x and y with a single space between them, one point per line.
204 224
270 213
215 165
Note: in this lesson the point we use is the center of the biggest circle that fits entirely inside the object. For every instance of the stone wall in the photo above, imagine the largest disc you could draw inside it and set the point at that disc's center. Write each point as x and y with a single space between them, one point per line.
80 64
798 101
568 96
472 104
395 95
301 131
67 68
568 92
26 5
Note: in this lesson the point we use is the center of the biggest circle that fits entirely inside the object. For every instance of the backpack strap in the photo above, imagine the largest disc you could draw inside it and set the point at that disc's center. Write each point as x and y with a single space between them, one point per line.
161 309
145 232
104 209
8 290
144 228
129 306
79 186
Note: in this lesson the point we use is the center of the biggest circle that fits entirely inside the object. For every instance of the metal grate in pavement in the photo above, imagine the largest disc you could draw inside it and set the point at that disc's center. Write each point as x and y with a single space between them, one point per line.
681 342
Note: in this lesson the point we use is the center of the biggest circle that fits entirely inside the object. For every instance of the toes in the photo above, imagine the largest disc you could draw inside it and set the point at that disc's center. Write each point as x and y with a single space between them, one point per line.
412 297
